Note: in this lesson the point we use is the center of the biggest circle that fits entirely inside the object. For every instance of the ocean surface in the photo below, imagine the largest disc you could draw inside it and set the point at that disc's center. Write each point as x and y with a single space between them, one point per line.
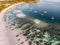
45 11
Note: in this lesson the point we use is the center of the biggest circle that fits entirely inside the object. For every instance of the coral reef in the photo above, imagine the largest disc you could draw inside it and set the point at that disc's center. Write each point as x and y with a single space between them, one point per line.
49 35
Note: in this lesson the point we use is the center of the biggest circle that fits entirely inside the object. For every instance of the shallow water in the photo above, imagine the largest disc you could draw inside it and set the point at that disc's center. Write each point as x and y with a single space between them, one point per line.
48 9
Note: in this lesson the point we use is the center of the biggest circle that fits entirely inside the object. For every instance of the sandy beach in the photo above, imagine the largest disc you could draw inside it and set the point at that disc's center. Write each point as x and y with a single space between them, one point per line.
7 36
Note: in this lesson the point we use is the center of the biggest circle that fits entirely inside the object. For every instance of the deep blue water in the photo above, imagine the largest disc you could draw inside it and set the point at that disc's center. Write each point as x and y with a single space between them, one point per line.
52 8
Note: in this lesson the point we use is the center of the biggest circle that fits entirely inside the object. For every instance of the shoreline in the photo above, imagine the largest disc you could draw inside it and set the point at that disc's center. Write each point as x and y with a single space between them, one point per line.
7 36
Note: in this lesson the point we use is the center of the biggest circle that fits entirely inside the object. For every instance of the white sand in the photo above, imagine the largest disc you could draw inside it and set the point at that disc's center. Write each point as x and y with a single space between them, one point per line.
7 36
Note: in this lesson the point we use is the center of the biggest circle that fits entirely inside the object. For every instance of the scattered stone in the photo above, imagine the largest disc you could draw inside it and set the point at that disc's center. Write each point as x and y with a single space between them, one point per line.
6 26
35 11
22 42
12 29
18 39
53 18
17 35
42 14
30 43
45 12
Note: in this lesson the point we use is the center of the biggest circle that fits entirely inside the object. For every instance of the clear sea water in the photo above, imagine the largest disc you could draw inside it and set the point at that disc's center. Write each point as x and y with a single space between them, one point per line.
52 8
36 9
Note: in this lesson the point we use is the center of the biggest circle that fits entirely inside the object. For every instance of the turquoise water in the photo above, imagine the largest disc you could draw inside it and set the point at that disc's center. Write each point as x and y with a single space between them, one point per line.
52 9
45 11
